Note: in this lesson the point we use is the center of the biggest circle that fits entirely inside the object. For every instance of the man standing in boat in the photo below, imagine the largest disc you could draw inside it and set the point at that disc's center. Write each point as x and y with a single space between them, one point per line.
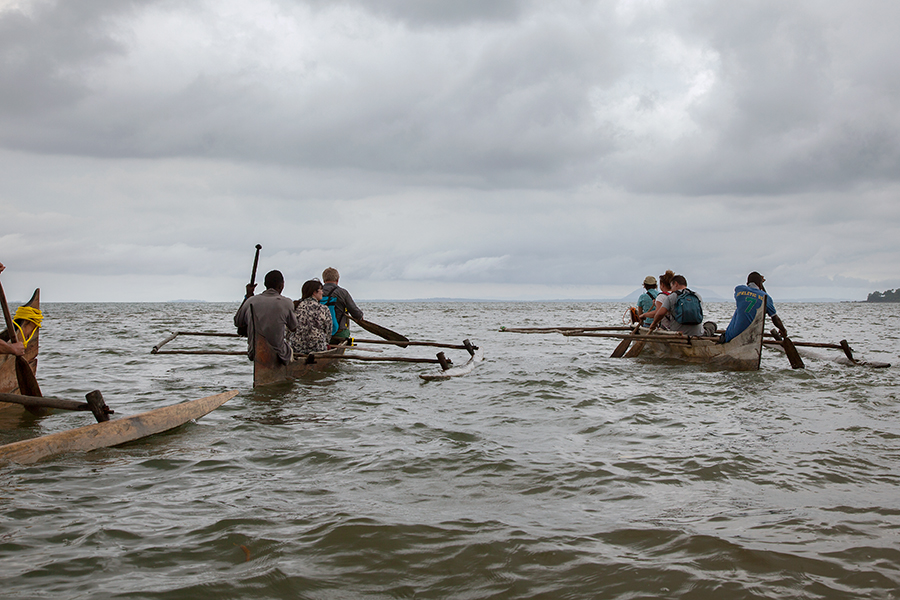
342 302
748 299
268 314
5 347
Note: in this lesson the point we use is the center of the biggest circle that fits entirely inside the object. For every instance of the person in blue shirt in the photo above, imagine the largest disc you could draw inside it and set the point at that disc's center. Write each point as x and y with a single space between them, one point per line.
748 299
646 300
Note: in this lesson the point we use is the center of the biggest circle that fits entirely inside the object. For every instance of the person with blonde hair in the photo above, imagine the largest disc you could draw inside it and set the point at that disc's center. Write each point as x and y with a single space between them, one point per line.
341 302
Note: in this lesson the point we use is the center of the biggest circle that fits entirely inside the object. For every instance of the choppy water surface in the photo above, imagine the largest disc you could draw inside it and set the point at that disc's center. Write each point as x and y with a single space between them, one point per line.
551 471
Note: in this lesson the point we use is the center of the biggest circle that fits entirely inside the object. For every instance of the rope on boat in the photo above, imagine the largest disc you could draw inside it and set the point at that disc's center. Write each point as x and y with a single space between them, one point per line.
27 313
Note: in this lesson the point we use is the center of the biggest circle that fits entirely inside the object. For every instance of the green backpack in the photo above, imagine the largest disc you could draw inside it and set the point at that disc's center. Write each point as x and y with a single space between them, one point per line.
688 309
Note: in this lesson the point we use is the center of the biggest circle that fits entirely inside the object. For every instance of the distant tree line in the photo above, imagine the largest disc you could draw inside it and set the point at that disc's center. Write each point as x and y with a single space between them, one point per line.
888 296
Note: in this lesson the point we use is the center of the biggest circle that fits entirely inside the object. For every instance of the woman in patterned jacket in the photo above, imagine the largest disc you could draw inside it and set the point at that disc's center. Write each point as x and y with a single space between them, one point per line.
313 321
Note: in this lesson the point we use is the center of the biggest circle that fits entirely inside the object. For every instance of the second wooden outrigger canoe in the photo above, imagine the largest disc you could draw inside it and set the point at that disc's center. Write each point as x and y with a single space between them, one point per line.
112 433
8 382
743 353
268 368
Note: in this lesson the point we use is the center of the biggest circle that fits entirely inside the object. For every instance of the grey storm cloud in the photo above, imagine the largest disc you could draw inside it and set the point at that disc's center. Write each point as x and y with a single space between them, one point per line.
691 98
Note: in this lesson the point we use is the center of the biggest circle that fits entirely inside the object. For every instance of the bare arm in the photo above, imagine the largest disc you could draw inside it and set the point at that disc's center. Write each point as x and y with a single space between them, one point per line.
18 348
776 320
660 313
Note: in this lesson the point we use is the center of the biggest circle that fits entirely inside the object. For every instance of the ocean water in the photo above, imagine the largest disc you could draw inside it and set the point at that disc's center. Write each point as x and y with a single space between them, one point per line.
550 471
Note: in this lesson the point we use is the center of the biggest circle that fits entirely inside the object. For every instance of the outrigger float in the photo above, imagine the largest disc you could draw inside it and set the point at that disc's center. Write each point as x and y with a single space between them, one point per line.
743 353
268 369
104 433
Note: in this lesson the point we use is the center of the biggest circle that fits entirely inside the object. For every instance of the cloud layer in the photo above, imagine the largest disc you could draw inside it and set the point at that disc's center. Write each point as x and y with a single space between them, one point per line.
509 149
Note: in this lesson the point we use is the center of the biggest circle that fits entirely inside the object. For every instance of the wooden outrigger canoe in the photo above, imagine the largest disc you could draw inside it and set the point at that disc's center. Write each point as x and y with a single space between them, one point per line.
268 369
743 353
112 433
8 381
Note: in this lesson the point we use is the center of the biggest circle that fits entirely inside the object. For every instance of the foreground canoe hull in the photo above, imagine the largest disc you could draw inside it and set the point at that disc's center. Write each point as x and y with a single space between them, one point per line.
112 433
268 369
743 353
8 382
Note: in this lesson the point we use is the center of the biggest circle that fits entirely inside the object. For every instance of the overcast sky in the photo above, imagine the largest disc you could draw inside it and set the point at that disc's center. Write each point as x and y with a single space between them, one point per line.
511 149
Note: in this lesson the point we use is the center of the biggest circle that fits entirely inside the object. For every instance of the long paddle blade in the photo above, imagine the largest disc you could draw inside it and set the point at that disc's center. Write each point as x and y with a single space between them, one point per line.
623 345
28 384
792 354
786 343
382 332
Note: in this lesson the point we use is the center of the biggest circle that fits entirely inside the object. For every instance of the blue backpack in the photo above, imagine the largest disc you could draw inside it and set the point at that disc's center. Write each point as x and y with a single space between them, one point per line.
688 310
331 303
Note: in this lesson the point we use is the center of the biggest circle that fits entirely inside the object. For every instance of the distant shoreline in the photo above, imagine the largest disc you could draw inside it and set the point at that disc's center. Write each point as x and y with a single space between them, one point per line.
466 300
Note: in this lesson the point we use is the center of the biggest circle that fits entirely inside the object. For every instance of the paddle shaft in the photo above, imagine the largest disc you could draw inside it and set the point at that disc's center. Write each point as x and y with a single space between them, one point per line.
382 332
562 329
10 327
431 344
789 348
255 264
623 345
371 358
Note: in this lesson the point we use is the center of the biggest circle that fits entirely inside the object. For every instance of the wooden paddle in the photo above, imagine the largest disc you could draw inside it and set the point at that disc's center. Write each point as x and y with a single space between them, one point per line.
242 330
792 354
382 332
28 384
623 345
786 343
789 349
409 343
255 264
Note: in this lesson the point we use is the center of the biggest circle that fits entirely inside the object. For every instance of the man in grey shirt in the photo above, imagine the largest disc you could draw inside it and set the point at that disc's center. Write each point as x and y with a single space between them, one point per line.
343 304
679 283
268 314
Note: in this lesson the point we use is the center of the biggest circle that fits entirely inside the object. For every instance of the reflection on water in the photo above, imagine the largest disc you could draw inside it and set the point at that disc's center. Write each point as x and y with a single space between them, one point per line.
551 471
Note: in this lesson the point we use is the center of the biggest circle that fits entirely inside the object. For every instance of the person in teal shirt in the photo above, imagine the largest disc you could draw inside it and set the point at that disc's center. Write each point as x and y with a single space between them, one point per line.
645 302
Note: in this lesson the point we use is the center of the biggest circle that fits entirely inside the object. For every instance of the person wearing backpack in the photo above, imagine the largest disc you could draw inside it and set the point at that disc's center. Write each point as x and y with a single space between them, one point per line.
647 299
685 308
340 303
